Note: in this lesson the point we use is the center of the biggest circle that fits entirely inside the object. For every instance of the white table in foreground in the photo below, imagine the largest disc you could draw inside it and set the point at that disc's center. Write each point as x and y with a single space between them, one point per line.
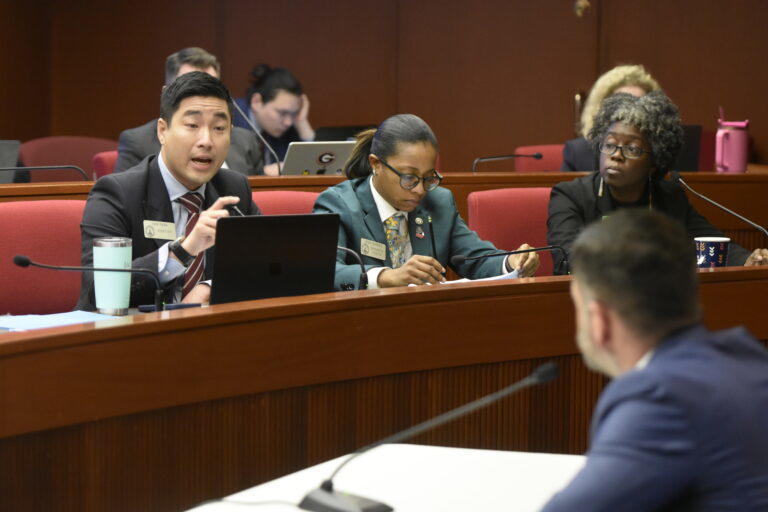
419 478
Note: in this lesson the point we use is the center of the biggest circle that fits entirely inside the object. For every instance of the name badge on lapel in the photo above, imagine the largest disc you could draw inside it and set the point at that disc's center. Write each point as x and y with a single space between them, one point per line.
373 249
159 230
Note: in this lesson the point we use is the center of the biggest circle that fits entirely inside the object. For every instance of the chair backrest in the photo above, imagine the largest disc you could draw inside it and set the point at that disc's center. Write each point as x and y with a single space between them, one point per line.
508 217
44 230
63 150
551 158
284 202
104 163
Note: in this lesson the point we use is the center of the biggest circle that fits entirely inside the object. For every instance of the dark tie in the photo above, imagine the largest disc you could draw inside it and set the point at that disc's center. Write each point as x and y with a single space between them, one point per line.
193 203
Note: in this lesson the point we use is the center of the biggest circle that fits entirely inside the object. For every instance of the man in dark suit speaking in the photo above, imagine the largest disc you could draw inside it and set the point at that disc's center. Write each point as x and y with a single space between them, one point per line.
169 203
682 426
245 152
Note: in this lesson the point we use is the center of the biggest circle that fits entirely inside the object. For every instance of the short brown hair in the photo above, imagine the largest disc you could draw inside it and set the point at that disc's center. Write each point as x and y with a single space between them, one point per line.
642 264
196 57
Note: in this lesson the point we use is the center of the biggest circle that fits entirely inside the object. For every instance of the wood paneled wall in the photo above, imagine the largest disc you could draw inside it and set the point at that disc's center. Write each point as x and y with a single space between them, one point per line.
25 69
487 76
704 53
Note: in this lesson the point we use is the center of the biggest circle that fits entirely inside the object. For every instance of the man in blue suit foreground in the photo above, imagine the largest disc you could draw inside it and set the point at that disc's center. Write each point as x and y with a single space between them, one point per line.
683 425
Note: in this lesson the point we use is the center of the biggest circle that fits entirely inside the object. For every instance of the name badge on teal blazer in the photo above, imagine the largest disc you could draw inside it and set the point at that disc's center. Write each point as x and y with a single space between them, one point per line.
373 249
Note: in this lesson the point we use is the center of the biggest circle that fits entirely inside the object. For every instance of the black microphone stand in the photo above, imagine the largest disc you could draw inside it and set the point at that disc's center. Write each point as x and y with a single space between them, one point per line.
23 261
363 274
679 179
536 156
326 499
47 168
460 258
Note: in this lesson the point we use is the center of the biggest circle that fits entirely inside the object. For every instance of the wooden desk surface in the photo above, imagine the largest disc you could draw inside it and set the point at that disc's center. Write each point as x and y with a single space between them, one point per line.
163 410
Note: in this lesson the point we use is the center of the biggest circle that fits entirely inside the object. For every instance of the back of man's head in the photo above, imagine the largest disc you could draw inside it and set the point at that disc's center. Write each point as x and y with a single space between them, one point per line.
194 57
642 265
188 85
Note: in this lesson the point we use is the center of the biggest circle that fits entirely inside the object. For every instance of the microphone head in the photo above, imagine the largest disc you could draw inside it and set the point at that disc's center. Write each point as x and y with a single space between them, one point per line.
458 259
537 156
21 260
546 372
675 176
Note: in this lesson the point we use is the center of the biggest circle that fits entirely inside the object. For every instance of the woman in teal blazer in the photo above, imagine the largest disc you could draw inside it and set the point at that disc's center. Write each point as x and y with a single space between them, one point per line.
395 214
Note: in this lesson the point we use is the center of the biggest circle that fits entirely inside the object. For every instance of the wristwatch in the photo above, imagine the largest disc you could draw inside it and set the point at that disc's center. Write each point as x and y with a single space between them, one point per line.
175 247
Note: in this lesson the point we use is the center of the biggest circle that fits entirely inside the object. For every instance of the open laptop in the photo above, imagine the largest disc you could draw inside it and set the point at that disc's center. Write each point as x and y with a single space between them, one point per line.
309 158
274 256
9 157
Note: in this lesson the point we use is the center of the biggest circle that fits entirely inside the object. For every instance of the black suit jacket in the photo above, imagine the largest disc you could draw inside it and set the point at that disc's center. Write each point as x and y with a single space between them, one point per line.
118 205
578 156
574 204
245 155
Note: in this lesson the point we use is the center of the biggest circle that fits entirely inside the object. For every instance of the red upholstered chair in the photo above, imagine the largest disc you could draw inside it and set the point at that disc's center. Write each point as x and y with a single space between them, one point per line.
509 217
104 163
551 158
47 231
284 202
63 150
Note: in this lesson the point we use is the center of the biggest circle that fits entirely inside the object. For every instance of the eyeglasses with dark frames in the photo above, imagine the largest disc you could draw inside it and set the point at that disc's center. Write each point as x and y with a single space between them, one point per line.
631 152
411 181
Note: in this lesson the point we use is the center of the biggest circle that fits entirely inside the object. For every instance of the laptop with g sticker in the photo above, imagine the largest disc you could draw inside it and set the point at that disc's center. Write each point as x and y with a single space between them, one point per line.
312 158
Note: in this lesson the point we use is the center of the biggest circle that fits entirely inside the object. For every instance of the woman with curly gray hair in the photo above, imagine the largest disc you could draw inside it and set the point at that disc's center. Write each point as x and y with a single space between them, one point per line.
638 140
629 78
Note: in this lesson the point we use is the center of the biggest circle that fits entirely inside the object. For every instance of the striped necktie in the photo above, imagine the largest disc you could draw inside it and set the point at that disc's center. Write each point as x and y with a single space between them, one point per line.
397 235
193 202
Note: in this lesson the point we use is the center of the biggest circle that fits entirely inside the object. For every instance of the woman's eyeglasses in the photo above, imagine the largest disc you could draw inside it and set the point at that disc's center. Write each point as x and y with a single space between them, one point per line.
631 152
411 181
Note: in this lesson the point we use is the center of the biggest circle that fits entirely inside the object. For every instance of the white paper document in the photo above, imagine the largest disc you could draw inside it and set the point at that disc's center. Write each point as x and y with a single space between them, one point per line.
27 322
510 275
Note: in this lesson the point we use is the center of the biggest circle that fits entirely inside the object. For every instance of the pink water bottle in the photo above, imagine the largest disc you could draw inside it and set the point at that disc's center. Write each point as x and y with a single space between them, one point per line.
731 145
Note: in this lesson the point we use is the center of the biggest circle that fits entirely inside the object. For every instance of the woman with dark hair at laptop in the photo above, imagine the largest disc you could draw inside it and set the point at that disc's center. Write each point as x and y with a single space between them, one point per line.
390 206
276 104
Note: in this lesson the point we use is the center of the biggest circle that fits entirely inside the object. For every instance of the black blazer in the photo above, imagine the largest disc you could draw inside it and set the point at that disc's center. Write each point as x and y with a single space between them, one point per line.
574 204
118 205
578 156
245 155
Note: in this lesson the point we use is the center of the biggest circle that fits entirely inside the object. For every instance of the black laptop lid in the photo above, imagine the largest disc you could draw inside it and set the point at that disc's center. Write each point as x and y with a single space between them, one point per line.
688 157
274 256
